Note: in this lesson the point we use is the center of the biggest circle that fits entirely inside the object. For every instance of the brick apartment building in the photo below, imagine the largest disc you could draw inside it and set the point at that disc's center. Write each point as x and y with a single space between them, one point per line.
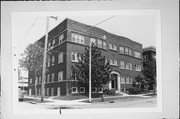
149 53
69 39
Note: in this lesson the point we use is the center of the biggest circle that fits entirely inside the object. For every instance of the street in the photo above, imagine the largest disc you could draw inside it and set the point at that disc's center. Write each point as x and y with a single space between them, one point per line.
67 106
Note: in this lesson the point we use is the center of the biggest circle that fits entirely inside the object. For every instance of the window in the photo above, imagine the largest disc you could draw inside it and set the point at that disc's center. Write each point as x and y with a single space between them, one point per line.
138 67
48 62
82 39
53 60
36 80
30 80
60 57
93 40
127 65
94 90
126 50
52 91
54 41
127 80
145 57
110 46
74 89
123 80
130 80
113 62
100 90
121 50
137 54
100 43
130 52
47 92
74 75
82 90
104 45
49 44
74 57
48 76
52 77
114 47
122 64
61 37
77 38
39 91
130 66
60 76
40 80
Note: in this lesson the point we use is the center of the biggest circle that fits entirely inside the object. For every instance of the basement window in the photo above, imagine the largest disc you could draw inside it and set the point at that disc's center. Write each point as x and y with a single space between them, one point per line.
74 90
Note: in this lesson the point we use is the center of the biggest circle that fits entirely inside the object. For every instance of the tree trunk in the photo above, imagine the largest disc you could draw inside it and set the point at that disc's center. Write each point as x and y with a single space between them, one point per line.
35 84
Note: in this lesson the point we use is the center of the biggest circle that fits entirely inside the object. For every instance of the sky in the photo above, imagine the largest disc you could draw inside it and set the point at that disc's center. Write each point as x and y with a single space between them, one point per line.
29 27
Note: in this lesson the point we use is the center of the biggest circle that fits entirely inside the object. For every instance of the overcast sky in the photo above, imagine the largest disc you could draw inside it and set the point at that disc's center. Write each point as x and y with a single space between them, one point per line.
27 28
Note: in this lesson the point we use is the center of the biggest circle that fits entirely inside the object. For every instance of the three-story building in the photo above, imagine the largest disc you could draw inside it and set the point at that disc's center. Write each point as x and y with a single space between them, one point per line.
69 39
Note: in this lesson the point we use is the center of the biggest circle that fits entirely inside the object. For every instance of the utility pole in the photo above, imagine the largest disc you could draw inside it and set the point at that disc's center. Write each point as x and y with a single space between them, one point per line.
90 71
44 58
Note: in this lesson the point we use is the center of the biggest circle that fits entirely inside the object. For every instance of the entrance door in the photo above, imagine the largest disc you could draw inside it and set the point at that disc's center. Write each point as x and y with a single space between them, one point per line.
59 91
114 81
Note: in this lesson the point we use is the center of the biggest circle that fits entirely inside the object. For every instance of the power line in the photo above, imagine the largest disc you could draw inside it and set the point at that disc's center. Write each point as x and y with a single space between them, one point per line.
101 22
30 28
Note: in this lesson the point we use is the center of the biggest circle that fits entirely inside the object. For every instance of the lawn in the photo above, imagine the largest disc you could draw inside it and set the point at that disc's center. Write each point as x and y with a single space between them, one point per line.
71 97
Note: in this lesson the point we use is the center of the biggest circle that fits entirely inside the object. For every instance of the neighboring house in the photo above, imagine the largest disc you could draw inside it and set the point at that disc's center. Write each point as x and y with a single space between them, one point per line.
149 53
69 39
23 80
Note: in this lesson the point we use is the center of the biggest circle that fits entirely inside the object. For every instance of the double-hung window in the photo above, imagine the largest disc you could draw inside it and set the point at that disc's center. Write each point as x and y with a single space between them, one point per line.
61 37
52 77
53 60
121 50
126 50
60 57
100 43
122 64
60 75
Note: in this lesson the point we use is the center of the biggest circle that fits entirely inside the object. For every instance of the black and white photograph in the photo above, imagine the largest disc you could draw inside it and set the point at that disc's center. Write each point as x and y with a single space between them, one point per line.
89 60
93 60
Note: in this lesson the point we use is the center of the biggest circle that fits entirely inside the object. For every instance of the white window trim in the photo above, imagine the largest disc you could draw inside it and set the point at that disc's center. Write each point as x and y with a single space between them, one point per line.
121 50
95 90
83 90
52 91
60 57
53 60
122 67
104 45
47 91
76 57
52 77
122 81
101 90
100 43
60 75
74 92
30 80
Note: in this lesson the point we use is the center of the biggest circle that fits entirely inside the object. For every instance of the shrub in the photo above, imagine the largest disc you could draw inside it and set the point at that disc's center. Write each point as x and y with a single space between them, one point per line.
133 91
109 92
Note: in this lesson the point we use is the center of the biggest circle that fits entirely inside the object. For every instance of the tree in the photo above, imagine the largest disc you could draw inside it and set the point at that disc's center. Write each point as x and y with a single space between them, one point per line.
101 69
147 76
32 59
